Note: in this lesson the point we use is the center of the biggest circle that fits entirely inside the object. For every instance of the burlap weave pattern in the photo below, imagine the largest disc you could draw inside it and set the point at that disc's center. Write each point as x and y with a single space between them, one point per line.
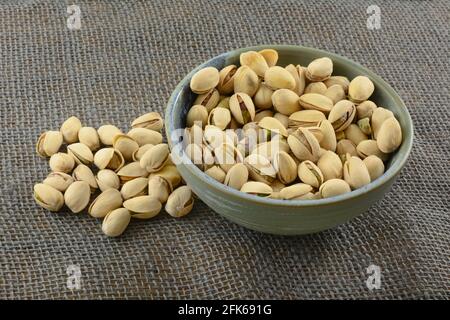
124 61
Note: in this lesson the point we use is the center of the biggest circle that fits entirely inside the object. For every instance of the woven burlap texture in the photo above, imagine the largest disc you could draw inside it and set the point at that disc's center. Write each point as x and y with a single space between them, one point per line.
124 61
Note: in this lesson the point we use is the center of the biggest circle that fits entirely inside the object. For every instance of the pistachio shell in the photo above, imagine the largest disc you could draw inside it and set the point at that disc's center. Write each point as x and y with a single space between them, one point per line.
70 128
116 222
246 81
134 188
198 114
305 118
379 115
170 173
304 145
315 101
333 187
242 107
257 188
107 201
263 97
159 188
354 134
180 202
364 125
151 120
89 137
236 176
389 136
295 191
131 171
375 166
143 207
279 78
328 141
204 80
255 61
285 101
155 158
145 136
125 145
195 153
226 79
270 148
194 134
58 180
84 173
77 196
310 174
365 109
370 147
270 55
360 89
273 125
284 119
216 173
330 165
298 73
80 153
137 155
226 155
336 93
316 87
342 115
285 167
108 158
319 69
220 117
106 133
48 197
209 99
345 146
340 80
49 143
107 179
261 114
356 173
61 162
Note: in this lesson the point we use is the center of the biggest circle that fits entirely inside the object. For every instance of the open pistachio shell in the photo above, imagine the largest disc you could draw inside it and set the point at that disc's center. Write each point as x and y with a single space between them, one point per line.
159 188
107 201
220 117
137 155
170 173
328 141
131 171
49 143
273 125
285 167
370 147
304 145
151 120
315 101
311 174
107 179
298 73
89 137
77 196
330 165
61 162
254 61
375 166
345 146
270 148
257 188
259 168
217 173
342 115
226 155
333 187
365 109
285 101
319 69
305 118
109 158
204 80
48 197
126 145
155 158
116 222
180 202
242 107
236 176
246 81
356 173
279 78
339 80
145 136
197 114
143 207
389 136
270 55
134 188
84 173
296 191
80 153
209 99
316 87
70 128
379 115
58 180
106 133
226 79
263 97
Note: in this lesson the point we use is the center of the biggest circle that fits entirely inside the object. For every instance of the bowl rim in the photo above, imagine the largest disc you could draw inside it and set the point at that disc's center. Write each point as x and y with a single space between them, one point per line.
389 174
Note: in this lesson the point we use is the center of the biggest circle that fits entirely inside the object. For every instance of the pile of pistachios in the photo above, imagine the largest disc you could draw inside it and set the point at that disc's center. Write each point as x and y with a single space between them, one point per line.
129 175
289 132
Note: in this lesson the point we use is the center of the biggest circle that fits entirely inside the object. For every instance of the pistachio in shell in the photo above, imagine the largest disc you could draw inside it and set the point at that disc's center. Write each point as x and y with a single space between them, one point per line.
159 188
49 143
170 173
204 80
77 196
355 134
375 166
107 179
257 188
304 145
379 115
315 101
389 135
236 176
109 158
263 97
270 55
305 119
125 145
316 87
143 207
285 167
48 197
80 153
106 201
345 146
145 136
319 69
226 79
242 107
356 173
137 155
360 89
209 99
334 187
83 173
285 101
58 180
106 133
61 162
134 188
131 171
155 158
339 80
116 222
370 147
89 137
180 202
259 168
310 174
328 141
279 78
246 81
226 155
296 191
254 61
197 114
150 120
70 128
298 73
217 173
365 109
273 125
220 117
330 165
336 93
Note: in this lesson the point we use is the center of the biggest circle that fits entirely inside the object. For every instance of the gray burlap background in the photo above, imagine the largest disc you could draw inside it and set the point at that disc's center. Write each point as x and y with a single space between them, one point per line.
126 60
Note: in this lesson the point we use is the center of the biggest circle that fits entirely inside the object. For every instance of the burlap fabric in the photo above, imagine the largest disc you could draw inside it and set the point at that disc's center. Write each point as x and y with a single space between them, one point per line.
124 61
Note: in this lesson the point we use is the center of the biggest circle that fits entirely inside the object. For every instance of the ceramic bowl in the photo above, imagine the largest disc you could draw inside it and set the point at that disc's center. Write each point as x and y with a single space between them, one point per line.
291 217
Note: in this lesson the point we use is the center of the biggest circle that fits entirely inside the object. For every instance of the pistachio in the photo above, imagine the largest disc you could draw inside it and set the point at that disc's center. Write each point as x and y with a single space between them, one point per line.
389 136
298 73
279 78
84 173
336 93
220 117
315 101
259 168
132 170
151 120
236 176
242 107
296 191
224 103
195 153
345 146
342 115
137 155
49 143
125 145
106 134
80 153
310 174
365 109
226 79
134 188
360 89
304 145
155 158
270 148
316 87
159 188
330 165
216 173
375 166
262 114
319 69
340 80
370 147
89 137
116 222
108 158
48 197
282 118
194 134
209 99
143 207
204 80
328 141
333 187
77 196
273 125
364 125
254 61
257 188
270 55
285 167
107 201
170 173
180 202
305 118
246 81
263 97
379 115
317 132
61 162
226 155
356 173
107 179
197 114
285 101
70 128
354 134
145 136
58 180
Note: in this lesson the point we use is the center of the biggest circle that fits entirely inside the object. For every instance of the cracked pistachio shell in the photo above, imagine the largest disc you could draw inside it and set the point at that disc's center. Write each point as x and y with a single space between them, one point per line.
285 101
375 166
216 173
263 97
330 165
256 188
296 191
209 99
242 107
224 103
80 153
84 173
159 188
273 125
89 137
246 81
270 148
204 80
170 173
226 79
106 201
180 202
389 136
365 109
220 117
370 147
106 133
279 78
364 125
342 115
270 55
145 136
304 145
333 187
58 180
317 132
151 120
226 155
107 179
310 174
134 188
339 80
284 119
254 61
260 169
328 141
137 155
49 143
379 115
285 167
125 145
48 197
61 162
298 73
315 101
131 171
354 134
116 222
236 176
262 114
316 87
197 114
360 89
345 146
356 173
155 158
108 158
77 196
70 128
305 119
336 93
143 207
319 69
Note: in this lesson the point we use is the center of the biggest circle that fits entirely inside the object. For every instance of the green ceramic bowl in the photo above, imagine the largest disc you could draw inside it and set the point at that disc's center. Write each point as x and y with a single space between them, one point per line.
295 216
